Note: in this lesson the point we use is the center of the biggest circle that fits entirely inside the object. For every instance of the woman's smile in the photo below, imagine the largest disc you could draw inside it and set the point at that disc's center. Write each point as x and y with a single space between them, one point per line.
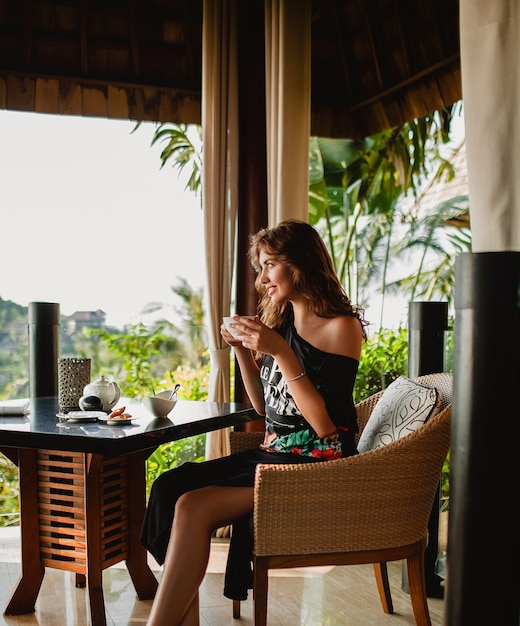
275 277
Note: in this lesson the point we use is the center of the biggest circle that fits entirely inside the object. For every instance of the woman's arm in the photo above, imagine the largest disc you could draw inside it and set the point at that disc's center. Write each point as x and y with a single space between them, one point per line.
307 398
248 369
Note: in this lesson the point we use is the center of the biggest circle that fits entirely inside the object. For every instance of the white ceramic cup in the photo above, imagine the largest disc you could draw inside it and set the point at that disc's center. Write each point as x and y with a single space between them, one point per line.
229 320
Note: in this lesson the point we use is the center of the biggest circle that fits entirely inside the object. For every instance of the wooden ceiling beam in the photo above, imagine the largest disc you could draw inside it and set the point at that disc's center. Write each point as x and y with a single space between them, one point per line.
362 6
83 36
373 61
340 30
403 35
134 39
410 80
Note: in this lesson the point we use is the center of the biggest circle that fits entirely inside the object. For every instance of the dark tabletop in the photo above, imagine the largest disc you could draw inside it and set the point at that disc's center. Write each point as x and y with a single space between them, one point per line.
41 428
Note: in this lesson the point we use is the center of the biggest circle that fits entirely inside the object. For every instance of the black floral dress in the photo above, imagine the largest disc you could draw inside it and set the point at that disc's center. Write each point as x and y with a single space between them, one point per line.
286 429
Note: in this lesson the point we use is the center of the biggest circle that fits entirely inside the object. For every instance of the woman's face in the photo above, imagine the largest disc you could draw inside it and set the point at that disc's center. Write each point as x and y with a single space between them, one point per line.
275 276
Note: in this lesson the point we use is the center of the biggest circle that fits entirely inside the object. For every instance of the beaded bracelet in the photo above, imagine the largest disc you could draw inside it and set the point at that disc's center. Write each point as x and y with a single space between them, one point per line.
301 375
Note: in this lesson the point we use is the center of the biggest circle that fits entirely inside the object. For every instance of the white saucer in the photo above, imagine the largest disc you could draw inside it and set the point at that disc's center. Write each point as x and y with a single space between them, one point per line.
115 421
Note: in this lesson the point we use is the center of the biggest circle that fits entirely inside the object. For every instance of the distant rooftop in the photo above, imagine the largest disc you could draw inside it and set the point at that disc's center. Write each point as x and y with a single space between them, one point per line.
85 319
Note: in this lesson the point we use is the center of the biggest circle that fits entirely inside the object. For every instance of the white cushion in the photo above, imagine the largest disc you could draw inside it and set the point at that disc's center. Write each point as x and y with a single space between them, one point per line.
404 407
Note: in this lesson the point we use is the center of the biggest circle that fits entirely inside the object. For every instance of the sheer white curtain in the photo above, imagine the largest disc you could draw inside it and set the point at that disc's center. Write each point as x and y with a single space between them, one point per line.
491 88
288 53
220 156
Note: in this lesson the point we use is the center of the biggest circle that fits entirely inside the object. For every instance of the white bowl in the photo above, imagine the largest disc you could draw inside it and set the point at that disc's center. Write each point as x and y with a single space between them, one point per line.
159 405
229 320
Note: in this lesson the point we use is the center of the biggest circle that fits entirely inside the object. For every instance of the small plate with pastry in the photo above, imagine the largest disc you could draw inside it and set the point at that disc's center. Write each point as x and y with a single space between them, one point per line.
117 417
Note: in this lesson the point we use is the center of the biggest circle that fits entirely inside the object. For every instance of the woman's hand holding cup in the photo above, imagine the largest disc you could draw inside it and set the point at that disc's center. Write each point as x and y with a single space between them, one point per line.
232 330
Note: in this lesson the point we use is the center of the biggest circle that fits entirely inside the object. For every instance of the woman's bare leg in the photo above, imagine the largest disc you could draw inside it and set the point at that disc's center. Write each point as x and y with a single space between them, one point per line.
197 514
192 615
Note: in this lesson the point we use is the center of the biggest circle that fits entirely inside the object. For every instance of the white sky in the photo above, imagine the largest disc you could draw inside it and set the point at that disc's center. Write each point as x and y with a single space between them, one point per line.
90 220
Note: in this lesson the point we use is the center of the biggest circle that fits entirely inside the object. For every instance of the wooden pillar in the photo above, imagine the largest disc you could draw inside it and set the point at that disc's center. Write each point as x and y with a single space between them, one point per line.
252 178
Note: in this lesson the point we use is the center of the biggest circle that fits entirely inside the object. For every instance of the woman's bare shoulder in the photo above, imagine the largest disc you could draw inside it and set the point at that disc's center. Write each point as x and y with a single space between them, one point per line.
342 335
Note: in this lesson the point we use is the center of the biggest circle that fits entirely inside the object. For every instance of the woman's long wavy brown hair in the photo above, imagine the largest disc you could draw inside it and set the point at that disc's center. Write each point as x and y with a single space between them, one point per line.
297 244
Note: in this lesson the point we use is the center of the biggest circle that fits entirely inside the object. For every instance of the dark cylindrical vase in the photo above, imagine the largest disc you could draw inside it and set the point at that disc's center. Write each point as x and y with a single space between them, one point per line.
44 348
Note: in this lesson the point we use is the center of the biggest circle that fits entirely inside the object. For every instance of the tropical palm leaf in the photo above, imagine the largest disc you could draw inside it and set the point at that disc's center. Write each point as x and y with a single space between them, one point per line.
183 148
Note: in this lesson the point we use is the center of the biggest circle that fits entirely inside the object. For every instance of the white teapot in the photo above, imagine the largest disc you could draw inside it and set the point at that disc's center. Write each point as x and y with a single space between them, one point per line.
107 390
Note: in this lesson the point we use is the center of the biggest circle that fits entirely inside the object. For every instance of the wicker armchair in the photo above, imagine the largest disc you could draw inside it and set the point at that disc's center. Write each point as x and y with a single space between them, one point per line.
382 516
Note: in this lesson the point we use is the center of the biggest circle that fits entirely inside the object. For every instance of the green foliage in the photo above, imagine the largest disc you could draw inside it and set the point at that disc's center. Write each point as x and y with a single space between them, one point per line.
9 509
192 316
434 239
449 337
194 382
172 455
134 352
182 147
360 201
445 483
384 357
11 312
14 351
191 326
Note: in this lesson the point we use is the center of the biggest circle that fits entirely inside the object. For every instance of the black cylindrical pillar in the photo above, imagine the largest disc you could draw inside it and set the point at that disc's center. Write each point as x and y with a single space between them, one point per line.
427 324
44 348
484 525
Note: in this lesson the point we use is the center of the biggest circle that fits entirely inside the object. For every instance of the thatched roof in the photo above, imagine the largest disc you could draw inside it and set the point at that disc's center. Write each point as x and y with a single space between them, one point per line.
375 63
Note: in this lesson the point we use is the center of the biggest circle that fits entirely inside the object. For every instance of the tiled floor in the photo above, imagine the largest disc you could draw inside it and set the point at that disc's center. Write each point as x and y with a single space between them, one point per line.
319 596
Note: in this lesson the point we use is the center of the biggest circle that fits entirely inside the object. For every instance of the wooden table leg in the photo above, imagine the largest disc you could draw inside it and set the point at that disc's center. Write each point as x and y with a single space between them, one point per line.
23 597
93 516
143 578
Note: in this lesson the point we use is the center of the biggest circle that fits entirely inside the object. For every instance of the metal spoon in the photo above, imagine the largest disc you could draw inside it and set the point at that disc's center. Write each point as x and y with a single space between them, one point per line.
175 389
